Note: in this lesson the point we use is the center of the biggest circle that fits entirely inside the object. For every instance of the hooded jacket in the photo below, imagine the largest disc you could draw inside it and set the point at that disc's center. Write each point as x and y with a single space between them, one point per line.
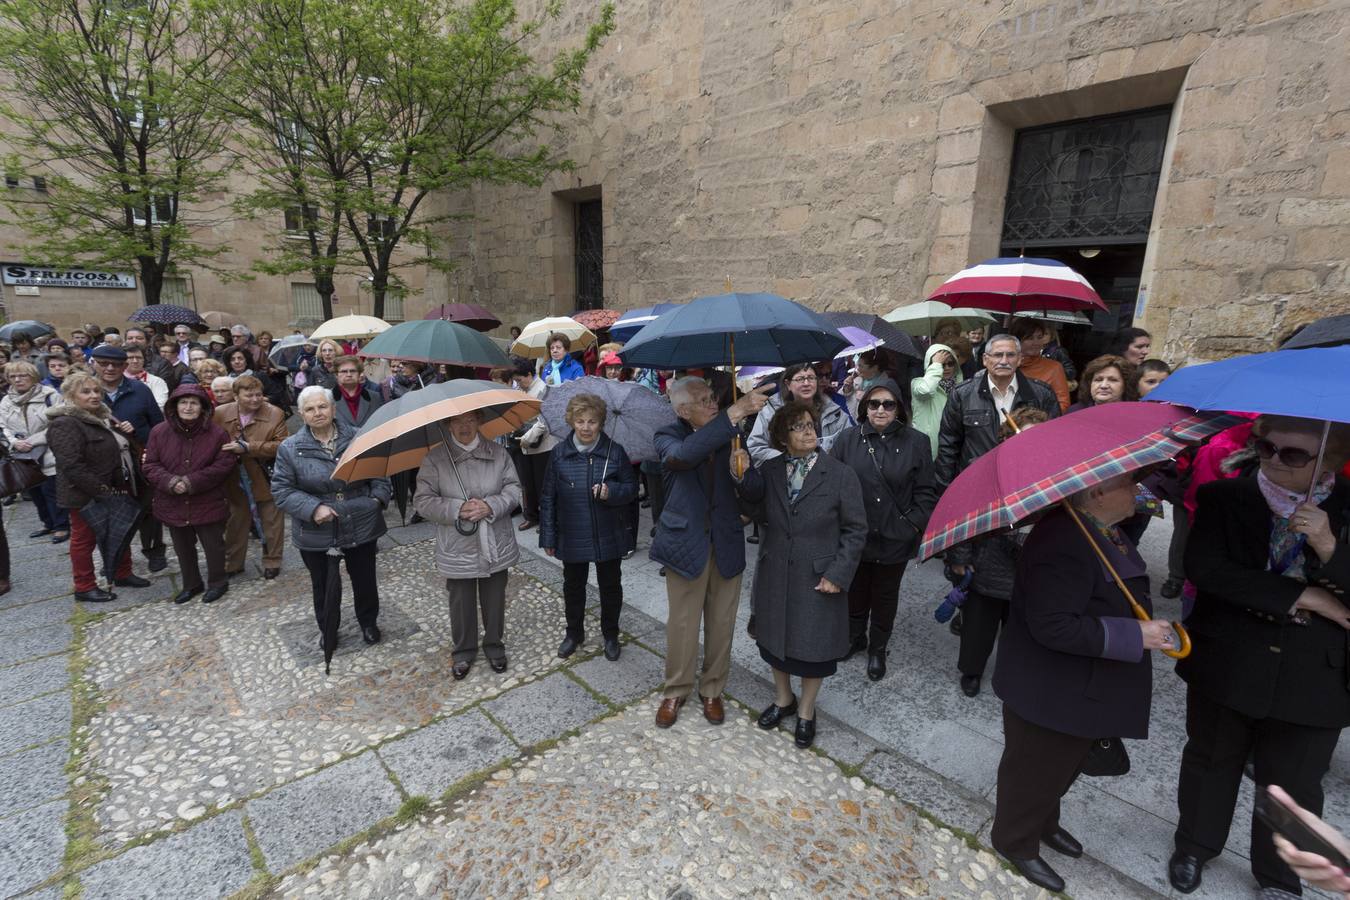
188 452
928 398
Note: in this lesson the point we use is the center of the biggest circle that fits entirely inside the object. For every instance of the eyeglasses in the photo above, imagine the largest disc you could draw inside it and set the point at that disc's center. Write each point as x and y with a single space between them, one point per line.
1293 457
888 405
709 400
804 379
109 363
799 427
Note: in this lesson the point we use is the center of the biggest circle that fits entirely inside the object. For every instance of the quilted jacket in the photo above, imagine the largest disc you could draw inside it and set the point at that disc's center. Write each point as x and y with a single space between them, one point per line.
578 527
701 513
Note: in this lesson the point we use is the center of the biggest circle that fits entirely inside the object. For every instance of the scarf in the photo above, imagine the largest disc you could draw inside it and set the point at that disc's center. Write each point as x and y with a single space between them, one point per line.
798 467
947 385
1286 547
19 399
467 448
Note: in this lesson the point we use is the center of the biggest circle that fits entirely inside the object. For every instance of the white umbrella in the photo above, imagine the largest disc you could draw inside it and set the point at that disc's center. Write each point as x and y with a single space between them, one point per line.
533 340
919 319
349 328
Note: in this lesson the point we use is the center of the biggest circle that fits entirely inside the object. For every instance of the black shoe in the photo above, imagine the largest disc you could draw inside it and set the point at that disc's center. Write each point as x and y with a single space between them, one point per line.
132 581
459 670
750 626
1038 872
954 626
60 537
215 593
269 574
645 503
1171 588
661 571
876 665
1184 871
773 714
187 594
568 646
857 645
42 532
970 685
752 539
653 532
612 649
97 595
370 634
416 519
498 665
1063 843
156 562
806 732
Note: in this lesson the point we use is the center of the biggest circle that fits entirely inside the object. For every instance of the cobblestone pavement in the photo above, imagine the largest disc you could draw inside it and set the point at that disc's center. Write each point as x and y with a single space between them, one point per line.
153 750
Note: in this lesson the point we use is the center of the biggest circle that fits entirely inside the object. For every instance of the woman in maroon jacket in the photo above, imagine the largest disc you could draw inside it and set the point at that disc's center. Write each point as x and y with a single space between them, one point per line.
187 468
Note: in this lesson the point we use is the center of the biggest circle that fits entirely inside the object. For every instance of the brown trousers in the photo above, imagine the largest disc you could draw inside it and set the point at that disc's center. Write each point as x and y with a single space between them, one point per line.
709 598
237 528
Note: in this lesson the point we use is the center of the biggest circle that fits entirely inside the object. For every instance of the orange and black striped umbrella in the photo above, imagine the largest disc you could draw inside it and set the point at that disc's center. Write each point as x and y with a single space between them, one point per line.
399 434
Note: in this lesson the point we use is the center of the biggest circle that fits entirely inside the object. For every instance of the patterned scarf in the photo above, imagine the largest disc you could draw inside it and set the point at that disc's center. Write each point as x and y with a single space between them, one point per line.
1286 547
947 385
798 467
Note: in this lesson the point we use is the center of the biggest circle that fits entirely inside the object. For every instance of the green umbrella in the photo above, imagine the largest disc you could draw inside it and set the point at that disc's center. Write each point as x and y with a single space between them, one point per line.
437 342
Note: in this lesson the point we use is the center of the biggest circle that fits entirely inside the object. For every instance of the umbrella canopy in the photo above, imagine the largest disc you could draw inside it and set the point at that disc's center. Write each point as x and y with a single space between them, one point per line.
286 351
167 314
1012 283
479 318
1329 332
216 320
632 418
858 341
533 340
596 319
437 342
1037 468
348 328
1056 316
747 377
631 322
27 329
921 319
896 340
755 329
1311 384
399 434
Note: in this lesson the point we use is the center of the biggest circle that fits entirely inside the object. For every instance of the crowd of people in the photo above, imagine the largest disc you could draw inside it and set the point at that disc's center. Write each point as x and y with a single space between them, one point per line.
836 466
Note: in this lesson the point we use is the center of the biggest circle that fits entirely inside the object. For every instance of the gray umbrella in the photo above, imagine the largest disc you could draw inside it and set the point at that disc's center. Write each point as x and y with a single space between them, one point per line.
634 414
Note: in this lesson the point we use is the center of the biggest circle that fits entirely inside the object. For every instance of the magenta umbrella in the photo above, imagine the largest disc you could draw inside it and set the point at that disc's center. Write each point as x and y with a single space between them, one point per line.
479 318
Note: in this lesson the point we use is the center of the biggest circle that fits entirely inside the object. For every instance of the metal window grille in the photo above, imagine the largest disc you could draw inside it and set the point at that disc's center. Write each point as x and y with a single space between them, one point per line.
175 291
590 231
393 306
306 305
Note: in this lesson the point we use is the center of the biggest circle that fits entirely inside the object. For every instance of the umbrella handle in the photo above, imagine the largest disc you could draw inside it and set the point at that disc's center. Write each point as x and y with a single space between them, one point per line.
463 527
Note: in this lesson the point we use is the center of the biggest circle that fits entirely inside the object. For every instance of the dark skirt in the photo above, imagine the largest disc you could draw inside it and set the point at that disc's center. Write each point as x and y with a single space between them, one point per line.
799 667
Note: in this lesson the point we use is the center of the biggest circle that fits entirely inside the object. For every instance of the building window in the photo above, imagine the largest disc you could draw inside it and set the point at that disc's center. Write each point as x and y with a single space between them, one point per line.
39 184
590 244
293 138
161 211
380 228
175 291
11 181
306 305
301 220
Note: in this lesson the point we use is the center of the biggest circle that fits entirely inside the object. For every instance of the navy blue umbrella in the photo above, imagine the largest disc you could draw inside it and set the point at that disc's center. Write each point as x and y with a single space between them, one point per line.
633 321
1329 332
751 329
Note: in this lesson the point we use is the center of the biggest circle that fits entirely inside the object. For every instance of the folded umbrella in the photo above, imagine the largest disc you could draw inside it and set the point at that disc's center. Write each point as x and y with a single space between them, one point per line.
1008 284
332 601
896 340
113 520
633 321
167 314
633 413
479 318
437 342
31 329
1329 332
533 340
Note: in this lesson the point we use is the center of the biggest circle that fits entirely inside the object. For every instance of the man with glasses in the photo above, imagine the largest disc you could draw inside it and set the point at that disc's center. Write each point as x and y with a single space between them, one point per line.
182 336
134 413
701 542
354 397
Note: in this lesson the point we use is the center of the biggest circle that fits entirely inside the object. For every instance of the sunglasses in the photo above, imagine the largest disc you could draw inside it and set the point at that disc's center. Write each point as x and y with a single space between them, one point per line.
888 405
1293 457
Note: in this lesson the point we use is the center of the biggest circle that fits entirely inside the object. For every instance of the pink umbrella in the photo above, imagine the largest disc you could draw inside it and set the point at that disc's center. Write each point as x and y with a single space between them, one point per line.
1016 284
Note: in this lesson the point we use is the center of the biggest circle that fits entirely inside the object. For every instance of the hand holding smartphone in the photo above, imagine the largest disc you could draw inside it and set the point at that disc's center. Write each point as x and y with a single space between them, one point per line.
1286 822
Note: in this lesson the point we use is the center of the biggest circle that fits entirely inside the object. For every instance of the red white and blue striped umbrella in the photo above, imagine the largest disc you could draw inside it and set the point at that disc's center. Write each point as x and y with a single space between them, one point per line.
1051 462
1016 284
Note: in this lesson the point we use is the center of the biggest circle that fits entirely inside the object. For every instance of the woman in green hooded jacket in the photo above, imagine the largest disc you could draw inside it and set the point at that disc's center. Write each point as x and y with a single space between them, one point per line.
928 392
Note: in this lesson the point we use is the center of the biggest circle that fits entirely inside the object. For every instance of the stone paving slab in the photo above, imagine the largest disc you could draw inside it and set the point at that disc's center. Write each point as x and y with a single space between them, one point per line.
544 709
33 777
35 615
37 642
929 792
34 722
27 680
429 761
302 818
634 674
34 843
210 860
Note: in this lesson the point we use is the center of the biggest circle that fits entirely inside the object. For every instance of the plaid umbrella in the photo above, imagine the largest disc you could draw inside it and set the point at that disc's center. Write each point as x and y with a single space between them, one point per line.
1032 471
596 319
166 314
113 520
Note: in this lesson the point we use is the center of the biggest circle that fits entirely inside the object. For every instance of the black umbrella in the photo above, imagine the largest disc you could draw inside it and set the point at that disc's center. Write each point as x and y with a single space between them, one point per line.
332 602
894 338
28 329
167 314
113 520
403 485
1329 332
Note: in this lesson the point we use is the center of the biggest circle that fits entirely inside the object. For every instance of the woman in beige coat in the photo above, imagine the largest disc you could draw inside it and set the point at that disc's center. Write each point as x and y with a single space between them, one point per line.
472 499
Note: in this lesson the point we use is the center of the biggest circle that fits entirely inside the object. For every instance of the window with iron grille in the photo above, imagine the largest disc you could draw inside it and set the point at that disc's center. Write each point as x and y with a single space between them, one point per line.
174 290
590 232
1089 179
306 305
393 306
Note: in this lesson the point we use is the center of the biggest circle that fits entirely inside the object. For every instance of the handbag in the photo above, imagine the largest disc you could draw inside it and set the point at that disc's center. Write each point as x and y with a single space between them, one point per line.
1106 757
18 475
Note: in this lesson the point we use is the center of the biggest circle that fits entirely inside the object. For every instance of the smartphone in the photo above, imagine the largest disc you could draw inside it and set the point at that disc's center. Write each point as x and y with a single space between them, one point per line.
1281 820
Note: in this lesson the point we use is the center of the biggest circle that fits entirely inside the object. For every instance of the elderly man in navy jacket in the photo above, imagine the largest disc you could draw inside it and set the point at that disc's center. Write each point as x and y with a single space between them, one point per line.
135 412
701 542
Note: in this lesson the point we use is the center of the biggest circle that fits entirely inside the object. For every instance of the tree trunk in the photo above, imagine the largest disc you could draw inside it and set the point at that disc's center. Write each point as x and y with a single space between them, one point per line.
324 285
152 279
378 288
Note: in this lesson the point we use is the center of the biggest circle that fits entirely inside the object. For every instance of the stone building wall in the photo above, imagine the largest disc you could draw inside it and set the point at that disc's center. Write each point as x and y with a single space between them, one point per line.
852 155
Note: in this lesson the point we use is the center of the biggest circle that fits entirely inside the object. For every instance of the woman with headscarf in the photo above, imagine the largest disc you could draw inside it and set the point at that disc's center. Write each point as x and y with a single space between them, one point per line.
929 392
23 420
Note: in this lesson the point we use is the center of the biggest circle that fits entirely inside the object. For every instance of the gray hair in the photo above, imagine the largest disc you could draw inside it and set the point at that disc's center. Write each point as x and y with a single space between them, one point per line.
679 390
222 381
314 390
241 329
1003 337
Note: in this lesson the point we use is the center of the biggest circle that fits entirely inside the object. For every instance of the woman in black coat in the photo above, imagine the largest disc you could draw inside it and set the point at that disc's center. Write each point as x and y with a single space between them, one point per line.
894 465
583 519
1071 668
813 530
1267 674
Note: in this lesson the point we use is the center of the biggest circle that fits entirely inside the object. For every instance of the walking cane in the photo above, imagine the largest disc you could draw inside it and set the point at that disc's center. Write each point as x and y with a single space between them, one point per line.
1184 650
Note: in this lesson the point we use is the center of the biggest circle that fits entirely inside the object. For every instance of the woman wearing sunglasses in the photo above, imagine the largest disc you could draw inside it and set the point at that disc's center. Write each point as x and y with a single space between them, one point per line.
1267 677
894 464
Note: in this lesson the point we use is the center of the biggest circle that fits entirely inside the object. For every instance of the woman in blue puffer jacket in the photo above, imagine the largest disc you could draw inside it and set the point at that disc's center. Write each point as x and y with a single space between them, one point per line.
583 520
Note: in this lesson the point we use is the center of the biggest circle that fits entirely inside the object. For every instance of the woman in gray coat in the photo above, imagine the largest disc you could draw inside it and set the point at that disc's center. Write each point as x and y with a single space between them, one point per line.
813 527
329 513
471 497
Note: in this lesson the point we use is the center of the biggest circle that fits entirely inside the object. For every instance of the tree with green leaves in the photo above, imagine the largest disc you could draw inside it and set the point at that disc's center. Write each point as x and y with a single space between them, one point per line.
110 101
362 109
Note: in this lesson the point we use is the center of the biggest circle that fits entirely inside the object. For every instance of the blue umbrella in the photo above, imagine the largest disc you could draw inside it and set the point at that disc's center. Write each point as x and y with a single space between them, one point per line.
633 321
754 329
1301 383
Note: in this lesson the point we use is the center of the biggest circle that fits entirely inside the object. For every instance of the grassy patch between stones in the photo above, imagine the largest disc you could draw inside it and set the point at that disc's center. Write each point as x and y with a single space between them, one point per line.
412 807
87 787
